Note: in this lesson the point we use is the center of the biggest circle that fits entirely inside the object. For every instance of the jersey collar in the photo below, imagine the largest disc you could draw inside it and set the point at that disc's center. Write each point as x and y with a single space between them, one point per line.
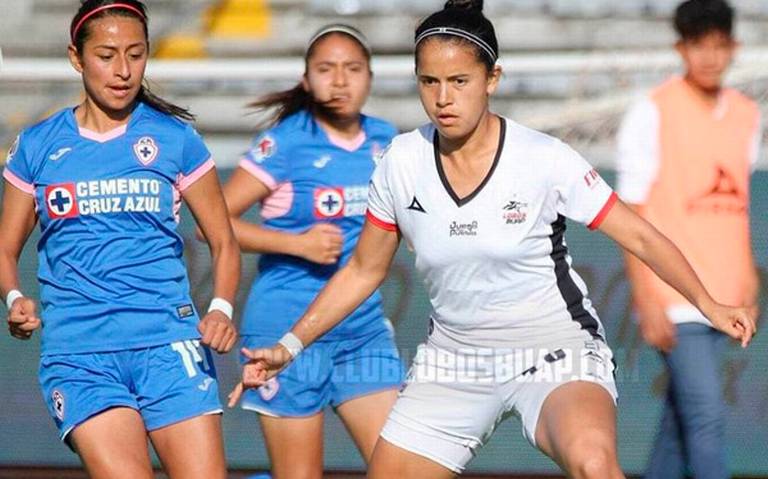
444 179
106 136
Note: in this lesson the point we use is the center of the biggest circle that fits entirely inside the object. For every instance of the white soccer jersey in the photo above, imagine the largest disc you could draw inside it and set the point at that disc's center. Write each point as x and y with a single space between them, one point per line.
495 263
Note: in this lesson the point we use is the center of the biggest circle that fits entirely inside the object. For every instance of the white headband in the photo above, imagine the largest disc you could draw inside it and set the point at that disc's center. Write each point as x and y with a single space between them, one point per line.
339 28
456 32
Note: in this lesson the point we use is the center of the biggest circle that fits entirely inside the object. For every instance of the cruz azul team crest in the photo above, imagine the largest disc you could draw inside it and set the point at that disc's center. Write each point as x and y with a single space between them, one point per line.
58 404
146 151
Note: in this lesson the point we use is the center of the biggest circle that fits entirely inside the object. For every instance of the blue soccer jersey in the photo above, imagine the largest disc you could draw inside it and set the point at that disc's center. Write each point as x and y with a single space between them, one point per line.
111 271
313 179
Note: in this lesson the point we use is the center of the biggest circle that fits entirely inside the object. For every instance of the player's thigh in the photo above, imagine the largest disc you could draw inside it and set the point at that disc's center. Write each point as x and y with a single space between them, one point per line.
364 417
390 461
367 373
107 455
77 387
577 428
192 449
294 445
438 416
175 382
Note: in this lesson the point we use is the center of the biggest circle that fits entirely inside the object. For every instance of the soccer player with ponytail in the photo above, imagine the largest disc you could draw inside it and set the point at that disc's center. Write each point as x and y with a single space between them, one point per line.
309 172
125 354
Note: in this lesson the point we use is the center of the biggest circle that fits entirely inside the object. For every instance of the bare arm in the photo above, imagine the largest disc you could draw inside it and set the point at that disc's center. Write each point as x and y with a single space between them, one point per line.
641 239
753 295
207 205
351 285
655 327
16 223
346 290
320 244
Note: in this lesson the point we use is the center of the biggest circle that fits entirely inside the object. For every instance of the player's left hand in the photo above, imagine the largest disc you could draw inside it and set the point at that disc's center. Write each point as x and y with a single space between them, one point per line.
738 323
218 332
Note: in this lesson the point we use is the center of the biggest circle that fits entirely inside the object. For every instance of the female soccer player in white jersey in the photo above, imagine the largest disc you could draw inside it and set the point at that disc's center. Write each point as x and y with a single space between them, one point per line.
482 202
124 352
310 173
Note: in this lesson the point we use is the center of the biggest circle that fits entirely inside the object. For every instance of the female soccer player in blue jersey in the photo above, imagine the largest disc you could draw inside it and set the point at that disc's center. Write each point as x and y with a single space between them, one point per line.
310 173
124 351
482 201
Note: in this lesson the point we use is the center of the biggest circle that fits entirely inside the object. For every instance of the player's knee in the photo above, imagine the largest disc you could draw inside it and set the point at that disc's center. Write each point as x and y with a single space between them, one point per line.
299 472
592 459
385 463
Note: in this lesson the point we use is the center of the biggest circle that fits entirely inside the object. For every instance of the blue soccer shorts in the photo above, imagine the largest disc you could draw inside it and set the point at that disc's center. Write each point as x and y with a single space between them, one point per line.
165 384
327 373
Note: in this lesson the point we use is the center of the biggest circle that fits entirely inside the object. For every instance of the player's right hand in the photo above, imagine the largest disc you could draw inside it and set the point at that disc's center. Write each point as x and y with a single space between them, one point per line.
657 329
738 323
262 365
322 243
23 319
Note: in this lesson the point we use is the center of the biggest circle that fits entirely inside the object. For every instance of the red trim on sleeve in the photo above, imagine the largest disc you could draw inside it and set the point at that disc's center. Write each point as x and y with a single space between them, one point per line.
595 224
380 223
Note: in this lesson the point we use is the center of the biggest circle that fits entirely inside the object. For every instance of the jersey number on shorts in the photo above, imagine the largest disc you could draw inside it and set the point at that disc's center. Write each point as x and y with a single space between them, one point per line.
190 353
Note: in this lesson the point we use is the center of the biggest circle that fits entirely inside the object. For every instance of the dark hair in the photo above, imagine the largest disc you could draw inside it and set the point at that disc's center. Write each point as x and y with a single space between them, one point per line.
79 34
462 21
695 18
287 102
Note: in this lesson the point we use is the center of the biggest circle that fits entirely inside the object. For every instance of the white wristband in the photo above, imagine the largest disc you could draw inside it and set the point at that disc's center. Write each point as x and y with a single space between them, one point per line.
292 343
13 295
221 304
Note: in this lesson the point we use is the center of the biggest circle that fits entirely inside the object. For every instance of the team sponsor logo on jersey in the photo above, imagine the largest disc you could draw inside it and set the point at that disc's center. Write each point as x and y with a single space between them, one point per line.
463 229
146 150
322 161
269 389
96 197
58 404
416 206
265 148
329 202
13 149
118 195
592 178
61 201
338 202
515 212
59 153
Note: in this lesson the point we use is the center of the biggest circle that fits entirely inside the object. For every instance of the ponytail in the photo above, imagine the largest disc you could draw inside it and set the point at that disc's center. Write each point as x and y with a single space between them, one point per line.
284 103
146 96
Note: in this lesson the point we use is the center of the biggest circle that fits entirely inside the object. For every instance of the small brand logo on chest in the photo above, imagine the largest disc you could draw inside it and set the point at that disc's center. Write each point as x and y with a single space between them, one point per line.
322 161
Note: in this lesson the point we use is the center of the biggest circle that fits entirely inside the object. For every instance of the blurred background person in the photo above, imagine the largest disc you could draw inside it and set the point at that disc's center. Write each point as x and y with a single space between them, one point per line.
686 153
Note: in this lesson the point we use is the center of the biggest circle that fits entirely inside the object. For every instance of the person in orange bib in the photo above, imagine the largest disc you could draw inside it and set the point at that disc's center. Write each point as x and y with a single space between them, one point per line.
685 154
